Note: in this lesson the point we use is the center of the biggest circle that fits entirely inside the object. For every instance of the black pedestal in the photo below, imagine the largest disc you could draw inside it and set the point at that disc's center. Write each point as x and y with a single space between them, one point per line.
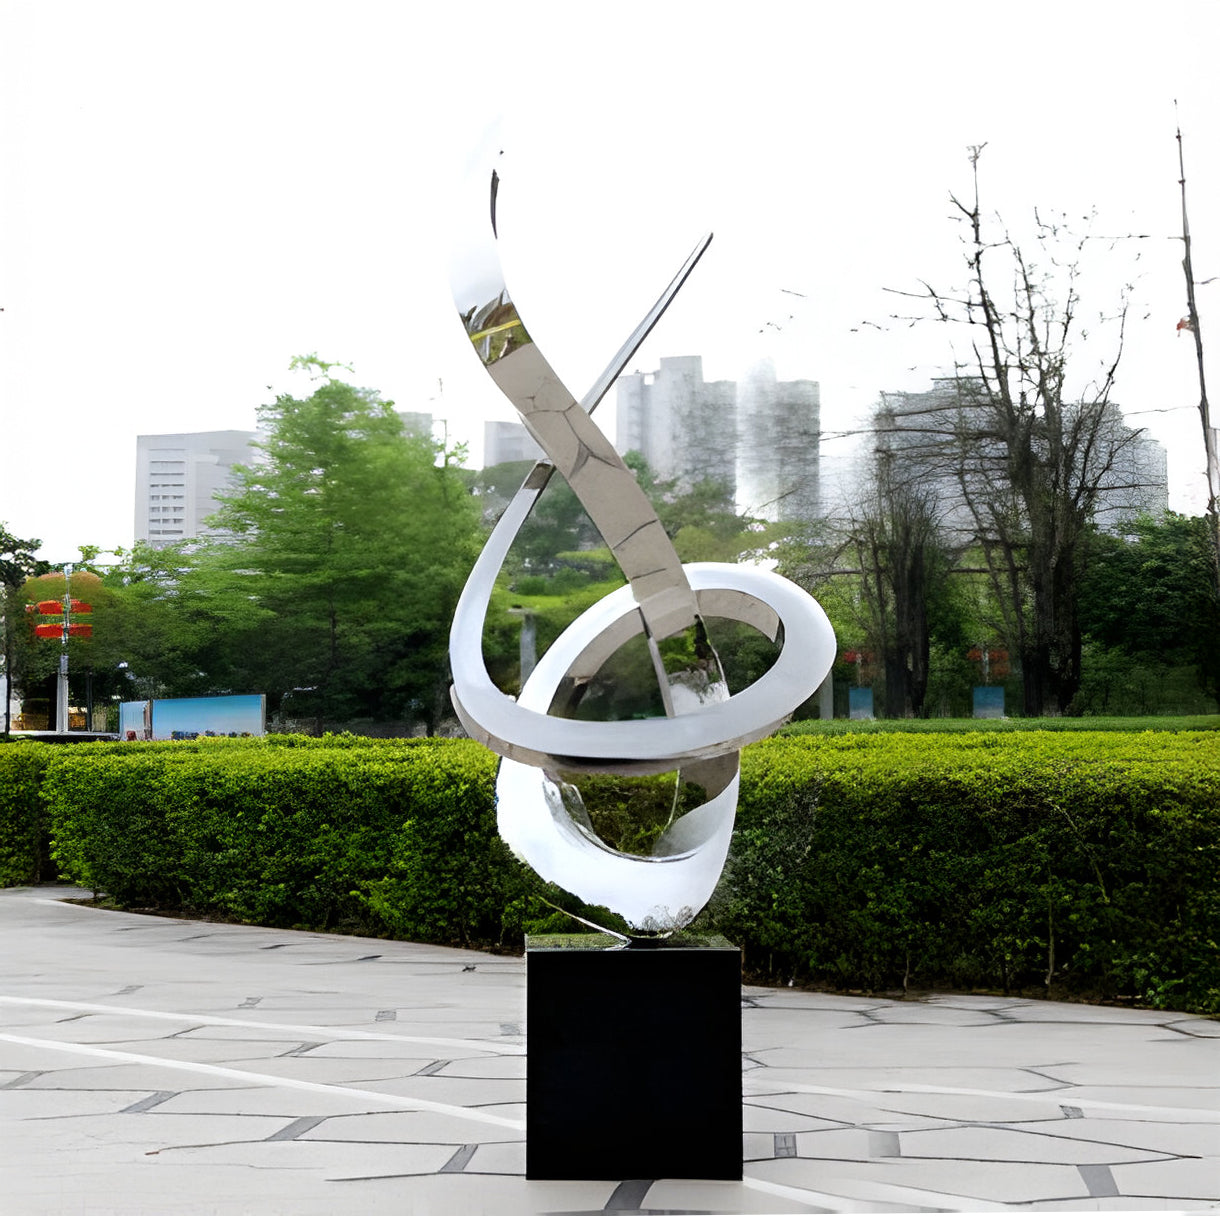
633 1059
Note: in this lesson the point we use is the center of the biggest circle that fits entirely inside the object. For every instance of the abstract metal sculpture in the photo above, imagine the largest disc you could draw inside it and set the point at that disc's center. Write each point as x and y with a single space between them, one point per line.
540 815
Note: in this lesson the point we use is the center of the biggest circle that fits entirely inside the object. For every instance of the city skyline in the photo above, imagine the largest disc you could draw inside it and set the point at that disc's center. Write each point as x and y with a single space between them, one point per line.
168 245
758 437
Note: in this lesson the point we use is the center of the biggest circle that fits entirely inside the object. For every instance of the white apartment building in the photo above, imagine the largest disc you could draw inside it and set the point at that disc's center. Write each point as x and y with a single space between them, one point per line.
761 437
508 441
178 477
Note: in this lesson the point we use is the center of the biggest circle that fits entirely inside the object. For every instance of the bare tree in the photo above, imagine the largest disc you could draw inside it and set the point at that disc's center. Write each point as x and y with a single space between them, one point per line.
1192 323
896 534
1032 461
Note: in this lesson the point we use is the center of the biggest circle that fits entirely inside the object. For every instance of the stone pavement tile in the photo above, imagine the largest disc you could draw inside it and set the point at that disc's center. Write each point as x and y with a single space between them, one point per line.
1099 1015
44 1103
1179 1139
1123 1203
228 1054
673 1195
330 1071
996 1045
761 1146
146 1077
1201 1028
1191 1104
1159 1064
155 1130
20 1058
763 1028
456 1091
970 1000
407 1053
467 1195
798 999
981 1108
48 1144
467 1031
858 1187
507 1157
149 1190
1010 1144
961 1182
333 1160
921 1013
817 1106
1169 1180
837 1144
260 1100
761 1118
485 1066
252 1033
998 1080
406 1127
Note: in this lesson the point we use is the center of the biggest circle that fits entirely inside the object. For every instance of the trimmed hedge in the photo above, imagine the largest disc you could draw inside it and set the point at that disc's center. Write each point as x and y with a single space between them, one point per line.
940 726
1073 863
394 838
24 843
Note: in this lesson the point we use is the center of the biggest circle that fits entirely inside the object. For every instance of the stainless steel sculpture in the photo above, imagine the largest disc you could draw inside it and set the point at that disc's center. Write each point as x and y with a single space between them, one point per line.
540 815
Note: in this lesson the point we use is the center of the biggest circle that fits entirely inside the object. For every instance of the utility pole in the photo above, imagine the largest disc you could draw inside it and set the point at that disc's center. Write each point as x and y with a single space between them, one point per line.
1209 434
61 697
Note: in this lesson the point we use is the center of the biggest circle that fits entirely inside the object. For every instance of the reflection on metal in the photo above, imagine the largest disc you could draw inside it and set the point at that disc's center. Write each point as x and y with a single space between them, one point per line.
540 816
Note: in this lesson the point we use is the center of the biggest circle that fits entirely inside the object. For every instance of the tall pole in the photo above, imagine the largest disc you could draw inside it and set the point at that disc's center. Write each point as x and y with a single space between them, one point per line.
1209 434
8 659
61 698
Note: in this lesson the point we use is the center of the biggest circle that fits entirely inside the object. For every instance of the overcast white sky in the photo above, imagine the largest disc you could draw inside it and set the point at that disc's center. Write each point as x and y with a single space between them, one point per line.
191 194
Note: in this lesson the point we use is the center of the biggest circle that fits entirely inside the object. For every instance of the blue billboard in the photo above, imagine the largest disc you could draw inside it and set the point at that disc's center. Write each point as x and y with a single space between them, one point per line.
989 701
191 717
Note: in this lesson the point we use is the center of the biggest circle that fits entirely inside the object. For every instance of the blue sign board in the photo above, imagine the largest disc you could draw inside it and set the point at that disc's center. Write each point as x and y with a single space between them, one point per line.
989 702
190 717
859 702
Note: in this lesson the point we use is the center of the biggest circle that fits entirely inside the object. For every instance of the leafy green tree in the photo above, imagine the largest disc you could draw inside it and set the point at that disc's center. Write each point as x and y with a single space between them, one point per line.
1151 595
17 563
93 662
344 550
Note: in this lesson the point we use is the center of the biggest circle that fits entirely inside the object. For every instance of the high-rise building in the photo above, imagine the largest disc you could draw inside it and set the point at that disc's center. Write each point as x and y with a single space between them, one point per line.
761 437
508 441
778 440
178 477
416 423
1123 469
683 425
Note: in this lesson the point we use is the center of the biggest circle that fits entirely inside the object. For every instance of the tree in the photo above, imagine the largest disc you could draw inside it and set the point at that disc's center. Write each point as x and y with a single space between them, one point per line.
1031 457
900 545
1151 596
17 563
344 550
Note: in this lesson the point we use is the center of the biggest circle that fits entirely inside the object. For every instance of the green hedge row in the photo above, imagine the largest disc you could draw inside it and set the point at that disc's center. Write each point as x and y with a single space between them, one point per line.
1066 862
24 840
384 839
940 726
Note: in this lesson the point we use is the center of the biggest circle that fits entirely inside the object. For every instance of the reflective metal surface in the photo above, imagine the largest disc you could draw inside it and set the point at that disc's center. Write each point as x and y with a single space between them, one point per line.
540 816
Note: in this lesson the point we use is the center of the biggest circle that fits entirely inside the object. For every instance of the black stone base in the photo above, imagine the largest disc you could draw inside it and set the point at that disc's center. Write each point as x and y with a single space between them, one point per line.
633 1059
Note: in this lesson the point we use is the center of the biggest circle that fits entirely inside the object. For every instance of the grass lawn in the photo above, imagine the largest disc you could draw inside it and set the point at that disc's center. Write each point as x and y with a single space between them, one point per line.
843 726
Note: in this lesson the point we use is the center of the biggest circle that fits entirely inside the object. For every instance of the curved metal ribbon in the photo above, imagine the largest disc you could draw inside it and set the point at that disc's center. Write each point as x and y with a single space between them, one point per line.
539 816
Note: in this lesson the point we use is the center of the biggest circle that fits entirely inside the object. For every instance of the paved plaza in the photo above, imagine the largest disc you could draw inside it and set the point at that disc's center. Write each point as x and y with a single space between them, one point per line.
150 1065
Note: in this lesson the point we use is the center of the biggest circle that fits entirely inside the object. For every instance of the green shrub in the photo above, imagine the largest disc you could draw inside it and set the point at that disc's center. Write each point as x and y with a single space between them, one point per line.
24 842
375 836
1069 862
1078 863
